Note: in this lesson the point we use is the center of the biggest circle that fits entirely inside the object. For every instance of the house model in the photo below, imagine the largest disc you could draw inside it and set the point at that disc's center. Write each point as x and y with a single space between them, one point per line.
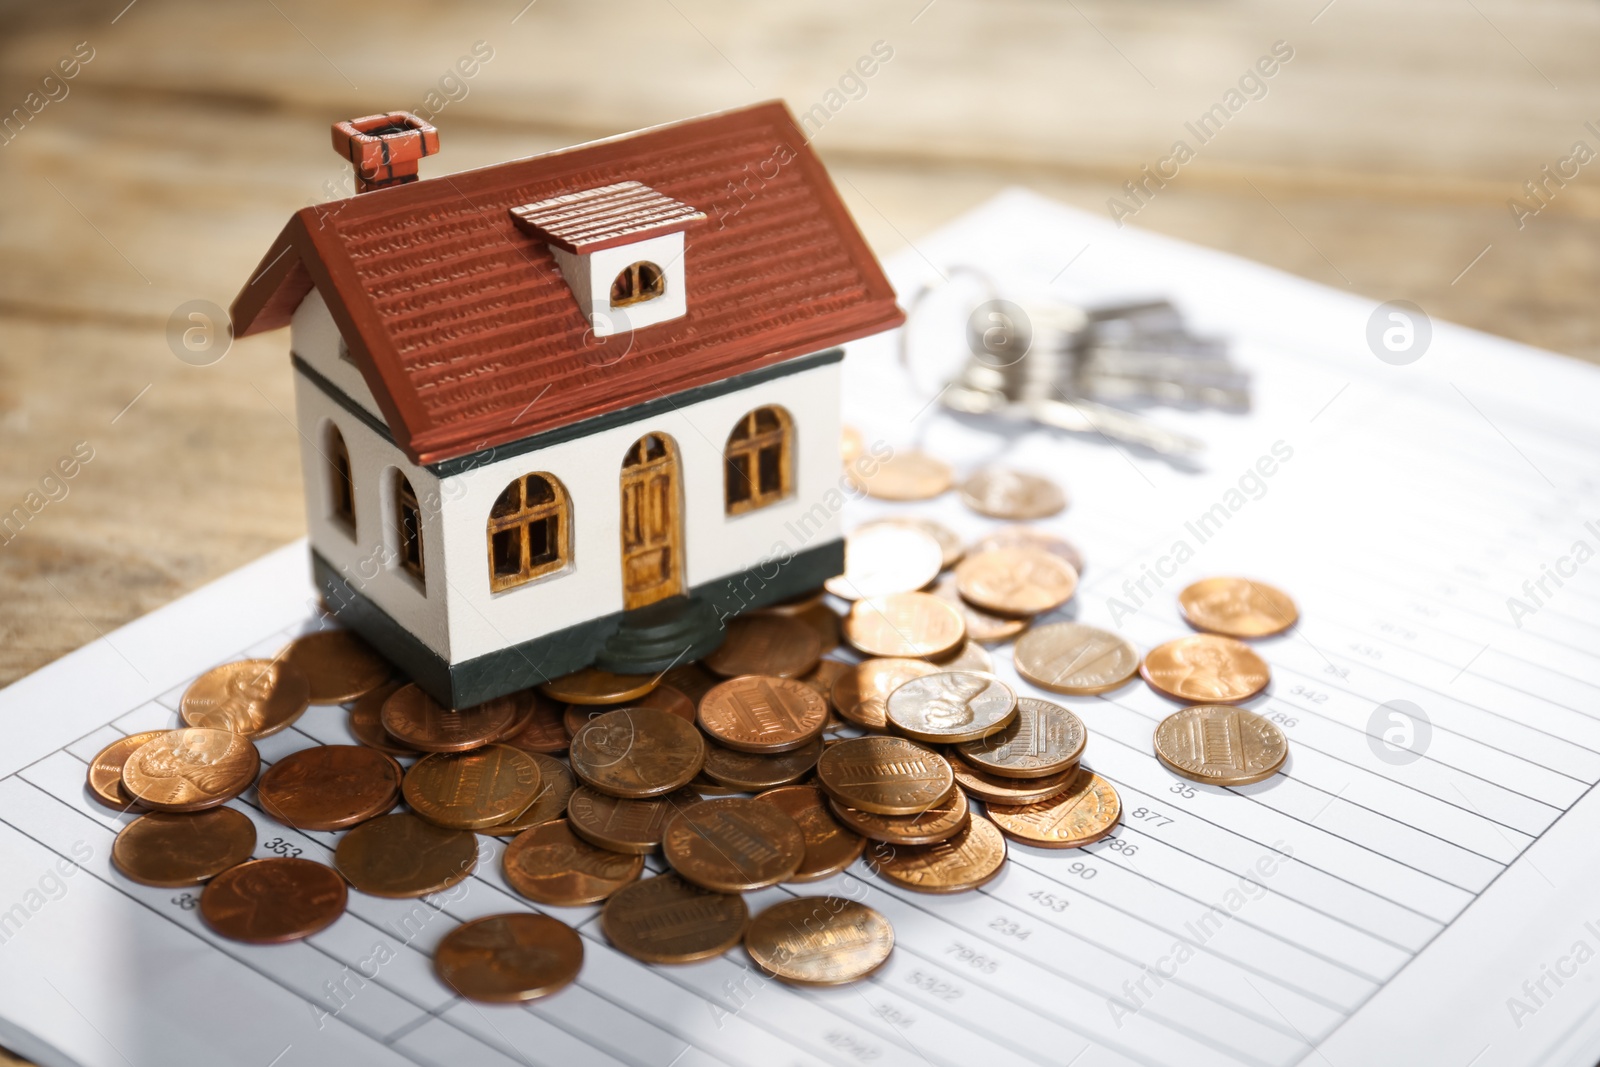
571 410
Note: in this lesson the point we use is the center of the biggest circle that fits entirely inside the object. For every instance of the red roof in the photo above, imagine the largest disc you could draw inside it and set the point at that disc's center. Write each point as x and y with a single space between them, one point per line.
468 336
611 215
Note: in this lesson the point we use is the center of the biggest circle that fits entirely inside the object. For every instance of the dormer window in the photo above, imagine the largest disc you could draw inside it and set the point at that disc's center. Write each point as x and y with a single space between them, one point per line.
637 283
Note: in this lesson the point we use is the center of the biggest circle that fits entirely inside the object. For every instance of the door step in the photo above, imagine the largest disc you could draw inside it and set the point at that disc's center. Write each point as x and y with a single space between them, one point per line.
678 629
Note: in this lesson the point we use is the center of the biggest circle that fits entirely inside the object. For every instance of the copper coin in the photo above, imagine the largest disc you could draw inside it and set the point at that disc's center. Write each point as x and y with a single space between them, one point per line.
830 846
1043 739
756 713
252 697
1016 581
591 686
401 855
552 865
750 771
556 786
706 786
1003 493
885 775
690 679
632 826
190 770
733 844
1081 815
508 959
993 789
766 644
904 624
414 718
797 605
366 722
170 851
544 731
472 790
819 941
952 706
1205 669
329 787
882 558
340 666
826 624
662 698
981 625
1031 537
970 657
105 771
530 701
1078 660
939 823
824 674
905 474
637 752
949 542
669 920
269 901
1220 745
1237 607
966 861
862 695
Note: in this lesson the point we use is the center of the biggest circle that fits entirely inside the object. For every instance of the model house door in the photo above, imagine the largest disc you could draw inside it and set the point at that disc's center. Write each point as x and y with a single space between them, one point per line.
652 523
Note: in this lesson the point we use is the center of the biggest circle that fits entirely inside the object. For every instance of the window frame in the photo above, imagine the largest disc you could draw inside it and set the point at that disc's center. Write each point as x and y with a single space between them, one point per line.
639 293
558 507
749 448
405 499
341 482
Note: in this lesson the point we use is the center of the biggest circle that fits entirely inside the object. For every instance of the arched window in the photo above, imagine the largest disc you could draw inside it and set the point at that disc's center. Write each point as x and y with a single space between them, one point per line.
529 531
408 528
341 482
759 460
637 283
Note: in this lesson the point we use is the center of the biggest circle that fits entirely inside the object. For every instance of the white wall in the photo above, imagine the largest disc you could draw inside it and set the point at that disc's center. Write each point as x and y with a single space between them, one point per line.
314 338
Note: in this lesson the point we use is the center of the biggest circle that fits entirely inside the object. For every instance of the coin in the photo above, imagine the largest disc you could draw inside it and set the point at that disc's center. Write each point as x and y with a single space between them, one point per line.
1016 581
951 706
1220 745
940 822
981 625
1003 493
797 605
252 697
824 674
690 679
171 851
591 686
755 713
886 558
1237 607
551 865
862 695
906 474
904 624
819 941
1044 739
1205 668
825 623
830 847
366 722
329 787
105 771
884 775
339 665
970 657
1082 814
1031 537
556 785
662 698
949 542
965 861
993 789
750 771
401 855
769 644
733 844
637 752
509 959
669 920
632 826
709 787
1071 658
414 718
472 790
270 901
544 732
189 770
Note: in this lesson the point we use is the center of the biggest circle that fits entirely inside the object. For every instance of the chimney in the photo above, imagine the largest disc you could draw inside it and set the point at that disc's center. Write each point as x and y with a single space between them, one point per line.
385 148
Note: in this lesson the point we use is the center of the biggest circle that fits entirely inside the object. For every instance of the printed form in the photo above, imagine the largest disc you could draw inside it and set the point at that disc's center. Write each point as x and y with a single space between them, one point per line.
1417 885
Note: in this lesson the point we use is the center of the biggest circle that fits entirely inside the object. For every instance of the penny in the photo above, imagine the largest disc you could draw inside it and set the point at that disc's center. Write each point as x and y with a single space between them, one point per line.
819 941
690 679
556 785
1031 537
1220 745
1044 739
522 714
1003 493
965 861
632 826
189 770
401 855
509 959
270 901
825 623
637 752
552 865
170 851
750 771
472 790
543 732
886 558
329 787
709 787
797 605
862 695
830 846
1016 581
1084 813
993 789
340 666
253 697
366 722
755 713
768 644
668 920
904 624
414 718
949 542
1237 607
1205 669
662 698
1078 660
982 626
733 844
951 706
940 822
906 474
105 771
591 686
824 674
884 775
970 657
